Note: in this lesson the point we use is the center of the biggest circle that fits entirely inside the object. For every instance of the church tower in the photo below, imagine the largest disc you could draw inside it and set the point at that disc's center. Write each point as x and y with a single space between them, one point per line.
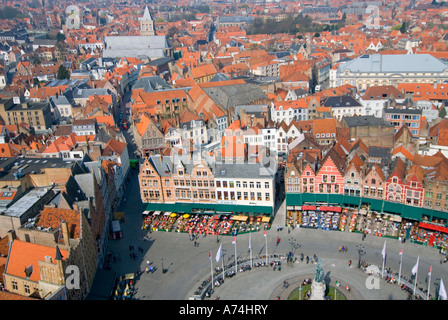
147 27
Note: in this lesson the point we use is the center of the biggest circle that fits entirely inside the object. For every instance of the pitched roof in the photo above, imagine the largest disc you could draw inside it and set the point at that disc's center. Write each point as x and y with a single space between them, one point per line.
382 92
416 170
324 126
114 146
52 217
25 254
377 170
404 152
203 71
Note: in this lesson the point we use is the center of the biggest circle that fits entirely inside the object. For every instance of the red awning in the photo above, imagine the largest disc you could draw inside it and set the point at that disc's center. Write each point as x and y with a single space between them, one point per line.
433 227
333 209
308 207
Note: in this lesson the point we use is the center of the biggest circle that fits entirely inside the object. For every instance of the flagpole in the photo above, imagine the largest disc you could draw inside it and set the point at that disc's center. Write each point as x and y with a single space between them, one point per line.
429 282
399 271
236 262
266 238
415 282
250 247
384 257
223 271
416 273
211 266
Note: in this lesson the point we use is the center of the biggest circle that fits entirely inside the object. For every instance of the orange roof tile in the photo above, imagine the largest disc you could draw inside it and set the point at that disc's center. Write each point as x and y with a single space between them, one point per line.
24 254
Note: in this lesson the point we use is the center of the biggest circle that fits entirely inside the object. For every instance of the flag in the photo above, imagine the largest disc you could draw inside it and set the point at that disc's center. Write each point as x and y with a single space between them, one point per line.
415 268
234 240
210 255
401 252
219 253
430 268
384 250
442 292
265 233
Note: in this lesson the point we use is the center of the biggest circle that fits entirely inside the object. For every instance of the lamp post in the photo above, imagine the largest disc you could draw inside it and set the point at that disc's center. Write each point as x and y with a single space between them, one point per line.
361 251
294 245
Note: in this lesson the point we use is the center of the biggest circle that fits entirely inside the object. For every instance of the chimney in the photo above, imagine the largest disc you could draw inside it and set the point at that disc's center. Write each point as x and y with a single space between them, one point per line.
11 236
65 233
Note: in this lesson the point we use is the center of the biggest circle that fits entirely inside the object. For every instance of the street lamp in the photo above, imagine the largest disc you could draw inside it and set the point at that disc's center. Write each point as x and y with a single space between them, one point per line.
294 245
361 251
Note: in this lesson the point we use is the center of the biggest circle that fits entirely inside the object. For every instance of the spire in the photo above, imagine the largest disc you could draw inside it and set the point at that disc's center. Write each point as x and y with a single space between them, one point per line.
146 15
58 254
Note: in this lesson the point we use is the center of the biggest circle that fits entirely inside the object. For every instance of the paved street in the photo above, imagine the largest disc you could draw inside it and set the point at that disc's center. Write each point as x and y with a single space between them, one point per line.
188 266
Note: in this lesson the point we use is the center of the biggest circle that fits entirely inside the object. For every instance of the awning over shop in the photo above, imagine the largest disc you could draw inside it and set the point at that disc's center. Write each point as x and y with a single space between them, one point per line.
265 219
430 226
309 207
240 218
327 208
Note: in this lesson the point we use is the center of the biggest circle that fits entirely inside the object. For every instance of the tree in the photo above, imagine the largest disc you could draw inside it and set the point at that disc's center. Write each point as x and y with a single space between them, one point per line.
442 112
403 27
63 73
60 37
172 31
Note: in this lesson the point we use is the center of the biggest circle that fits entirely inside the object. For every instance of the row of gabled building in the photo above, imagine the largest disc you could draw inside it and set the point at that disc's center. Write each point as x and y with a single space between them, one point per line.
354 169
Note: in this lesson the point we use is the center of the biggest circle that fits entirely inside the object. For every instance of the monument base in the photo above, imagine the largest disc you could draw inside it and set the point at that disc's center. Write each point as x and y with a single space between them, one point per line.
318 291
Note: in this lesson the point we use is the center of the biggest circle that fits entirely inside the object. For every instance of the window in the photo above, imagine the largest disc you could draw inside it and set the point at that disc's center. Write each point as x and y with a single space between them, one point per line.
259 186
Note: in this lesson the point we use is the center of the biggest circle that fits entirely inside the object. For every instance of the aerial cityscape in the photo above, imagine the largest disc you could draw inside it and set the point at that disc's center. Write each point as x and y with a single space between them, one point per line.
223 150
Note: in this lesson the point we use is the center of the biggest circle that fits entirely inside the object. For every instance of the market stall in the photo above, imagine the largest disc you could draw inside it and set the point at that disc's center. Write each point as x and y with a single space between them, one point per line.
125 287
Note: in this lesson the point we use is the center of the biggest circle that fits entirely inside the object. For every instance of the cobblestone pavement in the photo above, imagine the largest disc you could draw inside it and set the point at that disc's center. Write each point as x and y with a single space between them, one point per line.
187 265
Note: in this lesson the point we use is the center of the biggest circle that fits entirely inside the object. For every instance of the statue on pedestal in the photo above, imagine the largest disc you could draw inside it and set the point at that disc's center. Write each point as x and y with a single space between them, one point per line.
318 286
319 273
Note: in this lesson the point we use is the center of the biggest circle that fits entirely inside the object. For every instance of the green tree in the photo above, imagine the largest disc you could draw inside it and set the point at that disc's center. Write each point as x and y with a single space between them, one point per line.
60 37
172 31
403 27
442 113
63 73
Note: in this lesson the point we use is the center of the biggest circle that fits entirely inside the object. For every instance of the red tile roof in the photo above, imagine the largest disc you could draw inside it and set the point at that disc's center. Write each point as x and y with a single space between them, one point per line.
24 254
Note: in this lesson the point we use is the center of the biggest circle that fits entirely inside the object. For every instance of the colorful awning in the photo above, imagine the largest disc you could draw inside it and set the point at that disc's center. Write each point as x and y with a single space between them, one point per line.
433 227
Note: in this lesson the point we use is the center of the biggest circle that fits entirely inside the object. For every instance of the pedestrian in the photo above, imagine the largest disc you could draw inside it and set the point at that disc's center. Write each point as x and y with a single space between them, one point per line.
340 249
349 263
343 249
278 240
